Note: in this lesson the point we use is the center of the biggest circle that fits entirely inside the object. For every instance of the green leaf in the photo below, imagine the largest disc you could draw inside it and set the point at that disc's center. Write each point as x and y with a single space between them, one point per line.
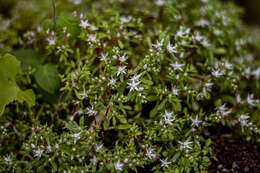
28 96
121 45
176 156
148 82
124 126
154 111
122 119
71 23
29 58
47 77
9 68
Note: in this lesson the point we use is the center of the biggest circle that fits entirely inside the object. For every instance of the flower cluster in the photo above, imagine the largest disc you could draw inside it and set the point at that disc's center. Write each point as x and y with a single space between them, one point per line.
129 86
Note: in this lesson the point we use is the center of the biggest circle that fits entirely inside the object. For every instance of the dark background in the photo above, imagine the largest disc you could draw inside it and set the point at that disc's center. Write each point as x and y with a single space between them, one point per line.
252 10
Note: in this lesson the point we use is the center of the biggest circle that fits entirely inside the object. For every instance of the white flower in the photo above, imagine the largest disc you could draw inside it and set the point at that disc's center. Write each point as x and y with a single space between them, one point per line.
125 19
238 98
8 160
99 147
205 42
84 23
196 121
217 72
104 57
256 73
118 165
94 160
222 111
79 112
160 2
202 23
149 153
91 111
209 85
171 49
228 65
165 163
121 70
181 32
75 2
133 85
93 28
112 81
250 100
185 145
57 146
123 58
158 45
168 118
83 94
38 152
76 136
243 119
198 37
175 91
51 41
92 38
49 148
247 72
177 66
134 78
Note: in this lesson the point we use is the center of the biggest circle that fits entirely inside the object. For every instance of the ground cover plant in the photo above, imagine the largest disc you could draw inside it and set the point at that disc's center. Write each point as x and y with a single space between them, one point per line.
124 86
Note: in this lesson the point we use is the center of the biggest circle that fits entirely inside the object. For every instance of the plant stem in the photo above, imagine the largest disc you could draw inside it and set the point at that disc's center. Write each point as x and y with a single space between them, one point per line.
54 14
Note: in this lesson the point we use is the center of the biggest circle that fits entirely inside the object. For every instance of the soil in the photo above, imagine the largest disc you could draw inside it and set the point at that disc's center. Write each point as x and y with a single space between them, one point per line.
231 150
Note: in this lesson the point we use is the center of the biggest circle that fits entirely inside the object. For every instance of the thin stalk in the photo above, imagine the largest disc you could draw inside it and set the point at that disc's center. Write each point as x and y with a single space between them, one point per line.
54 14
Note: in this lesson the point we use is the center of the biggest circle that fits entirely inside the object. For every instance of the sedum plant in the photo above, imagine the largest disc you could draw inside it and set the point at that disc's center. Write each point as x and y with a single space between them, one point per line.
127 86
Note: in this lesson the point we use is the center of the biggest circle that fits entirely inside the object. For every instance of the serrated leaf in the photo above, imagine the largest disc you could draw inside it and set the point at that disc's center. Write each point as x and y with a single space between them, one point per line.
47 77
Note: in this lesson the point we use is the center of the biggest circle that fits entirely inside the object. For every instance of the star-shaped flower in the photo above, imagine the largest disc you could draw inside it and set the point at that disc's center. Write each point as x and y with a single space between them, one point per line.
256 73
158 45
177 66
84 24
185 144
83 94
104 57
168 118
150 154
8 160
195 121
217 72
123 58
171 49
251 101
133 85
112 81
121 70
165 163
243 119
118 165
